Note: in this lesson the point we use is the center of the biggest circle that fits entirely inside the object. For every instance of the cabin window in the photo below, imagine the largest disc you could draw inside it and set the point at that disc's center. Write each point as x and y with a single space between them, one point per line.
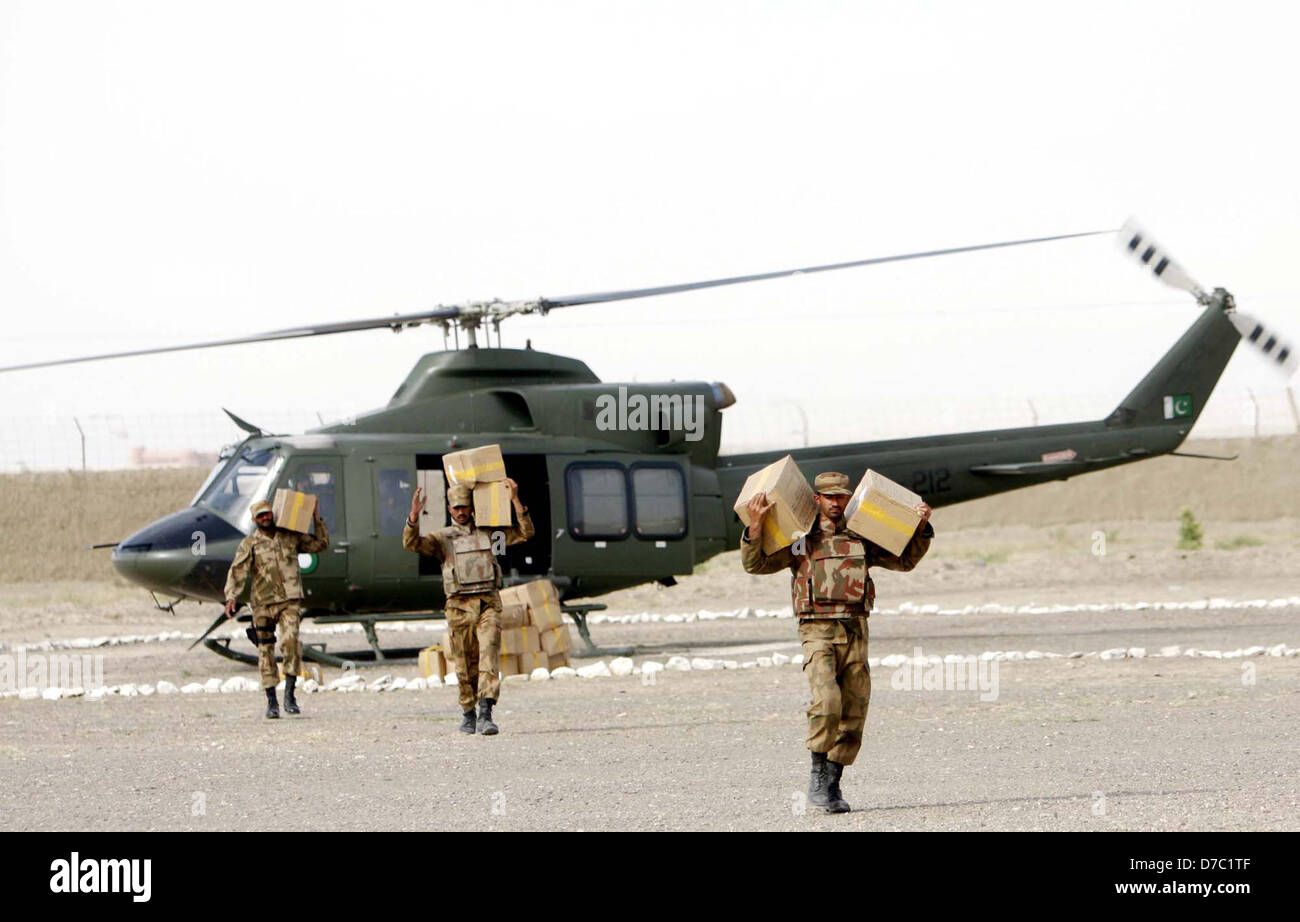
597 501
658 500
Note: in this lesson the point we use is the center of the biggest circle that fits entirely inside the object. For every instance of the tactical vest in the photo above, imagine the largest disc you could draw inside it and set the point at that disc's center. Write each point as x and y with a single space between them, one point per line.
471 566
831 580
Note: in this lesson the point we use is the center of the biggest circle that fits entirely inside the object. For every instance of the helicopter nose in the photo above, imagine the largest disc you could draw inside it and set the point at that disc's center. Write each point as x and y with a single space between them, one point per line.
186 553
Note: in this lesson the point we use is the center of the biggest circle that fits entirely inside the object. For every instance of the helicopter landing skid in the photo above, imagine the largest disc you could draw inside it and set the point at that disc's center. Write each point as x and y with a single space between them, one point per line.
579 615
316 653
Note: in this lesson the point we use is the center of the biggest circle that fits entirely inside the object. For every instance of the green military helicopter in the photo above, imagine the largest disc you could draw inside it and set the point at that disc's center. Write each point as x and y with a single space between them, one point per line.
644 497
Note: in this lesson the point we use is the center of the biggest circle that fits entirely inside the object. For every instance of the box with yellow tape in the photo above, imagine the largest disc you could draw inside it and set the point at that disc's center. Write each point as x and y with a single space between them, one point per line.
474 465
520 640
307 671
293 510
543 604
492 504
556 640
883 512
509 664
795 509
434 661
530 661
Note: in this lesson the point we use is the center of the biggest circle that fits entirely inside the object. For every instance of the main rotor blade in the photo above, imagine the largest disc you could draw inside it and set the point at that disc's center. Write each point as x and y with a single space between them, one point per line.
396 321
628 294
1140 246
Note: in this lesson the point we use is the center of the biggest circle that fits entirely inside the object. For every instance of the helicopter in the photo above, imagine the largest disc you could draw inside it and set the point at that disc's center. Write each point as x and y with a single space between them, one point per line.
614 506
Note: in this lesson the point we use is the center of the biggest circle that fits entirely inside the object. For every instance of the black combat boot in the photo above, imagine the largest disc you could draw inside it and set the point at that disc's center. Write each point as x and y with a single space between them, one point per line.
485 724
272 706
467 725
835 802
817 783
290 704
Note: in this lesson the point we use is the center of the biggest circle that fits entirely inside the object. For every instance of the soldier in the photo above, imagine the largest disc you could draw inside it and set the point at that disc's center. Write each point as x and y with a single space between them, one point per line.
833 593
270 554
471 577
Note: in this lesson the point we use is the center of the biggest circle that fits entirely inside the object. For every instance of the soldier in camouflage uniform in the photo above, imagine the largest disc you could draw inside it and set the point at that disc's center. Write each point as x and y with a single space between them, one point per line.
270 555
833 593
471 577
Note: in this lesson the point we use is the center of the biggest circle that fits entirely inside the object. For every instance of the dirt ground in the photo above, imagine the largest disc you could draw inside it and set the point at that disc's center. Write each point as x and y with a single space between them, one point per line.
1149 743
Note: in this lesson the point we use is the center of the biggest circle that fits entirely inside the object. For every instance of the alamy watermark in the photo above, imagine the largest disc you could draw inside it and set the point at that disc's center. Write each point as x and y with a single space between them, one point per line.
644 412
23 670
951 673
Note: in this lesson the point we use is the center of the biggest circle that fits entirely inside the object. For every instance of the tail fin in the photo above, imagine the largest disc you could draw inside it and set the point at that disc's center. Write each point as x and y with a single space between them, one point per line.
1175 391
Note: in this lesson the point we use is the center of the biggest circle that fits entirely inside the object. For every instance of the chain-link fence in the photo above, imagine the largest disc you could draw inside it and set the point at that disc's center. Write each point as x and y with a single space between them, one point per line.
118 441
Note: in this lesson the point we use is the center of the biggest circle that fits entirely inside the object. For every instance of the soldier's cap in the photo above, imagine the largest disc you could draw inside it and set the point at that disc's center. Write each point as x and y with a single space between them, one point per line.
832 483
259 507
459 495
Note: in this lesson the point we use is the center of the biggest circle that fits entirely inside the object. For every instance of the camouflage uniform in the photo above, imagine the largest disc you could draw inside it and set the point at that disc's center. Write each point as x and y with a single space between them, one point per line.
833 593
276 596
471 577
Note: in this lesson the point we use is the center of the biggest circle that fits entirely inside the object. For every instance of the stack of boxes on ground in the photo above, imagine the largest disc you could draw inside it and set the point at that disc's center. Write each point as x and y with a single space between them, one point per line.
533 632
880 510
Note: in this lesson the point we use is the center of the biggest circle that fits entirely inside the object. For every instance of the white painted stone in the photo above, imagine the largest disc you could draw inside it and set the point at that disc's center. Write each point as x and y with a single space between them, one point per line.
796 660
167 688
147 690
518 677
700 662
730 664
621 666
563 672
212 686
53 693
1114 653
779 659
540 674
194 688
1137 652
650 667
597 670
450 679
764 661
1171 650
416 684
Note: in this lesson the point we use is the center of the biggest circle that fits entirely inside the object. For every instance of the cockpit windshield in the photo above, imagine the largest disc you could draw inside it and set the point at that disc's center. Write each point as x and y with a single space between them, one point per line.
234 485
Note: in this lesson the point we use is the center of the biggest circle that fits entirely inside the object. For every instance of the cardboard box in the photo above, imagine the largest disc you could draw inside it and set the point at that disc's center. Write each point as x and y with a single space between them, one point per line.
293 510
543 604
513 614
520 640
509 664
492 506
434 486
434 661
307 671
474 465
883 512
795 510
556 640
530 661
556 660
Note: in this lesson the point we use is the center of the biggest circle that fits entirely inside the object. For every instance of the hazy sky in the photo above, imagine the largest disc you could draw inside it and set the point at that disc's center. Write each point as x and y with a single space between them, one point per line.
172 172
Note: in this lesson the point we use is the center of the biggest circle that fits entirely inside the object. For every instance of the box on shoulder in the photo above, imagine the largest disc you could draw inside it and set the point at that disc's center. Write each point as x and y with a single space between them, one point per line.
883 512
474 466
293 510
492 505
795 509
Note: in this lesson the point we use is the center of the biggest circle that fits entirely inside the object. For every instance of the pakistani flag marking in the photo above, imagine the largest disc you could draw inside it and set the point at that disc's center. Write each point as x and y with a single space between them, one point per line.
1178 405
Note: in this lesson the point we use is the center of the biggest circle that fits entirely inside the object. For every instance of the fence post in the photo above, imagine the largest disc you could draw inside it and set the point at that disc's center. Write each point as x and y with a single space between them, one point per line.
82 433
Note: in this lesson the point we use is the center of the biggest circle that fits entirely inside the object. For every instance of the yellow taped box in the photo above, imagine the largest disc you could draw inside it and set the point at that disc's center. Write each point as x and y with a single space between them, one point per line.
293 510
474 465
796 507
433 661
520 640
556 660
513 614
530 661
883 512
509 664
556 640
492 504
543 604
308 671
